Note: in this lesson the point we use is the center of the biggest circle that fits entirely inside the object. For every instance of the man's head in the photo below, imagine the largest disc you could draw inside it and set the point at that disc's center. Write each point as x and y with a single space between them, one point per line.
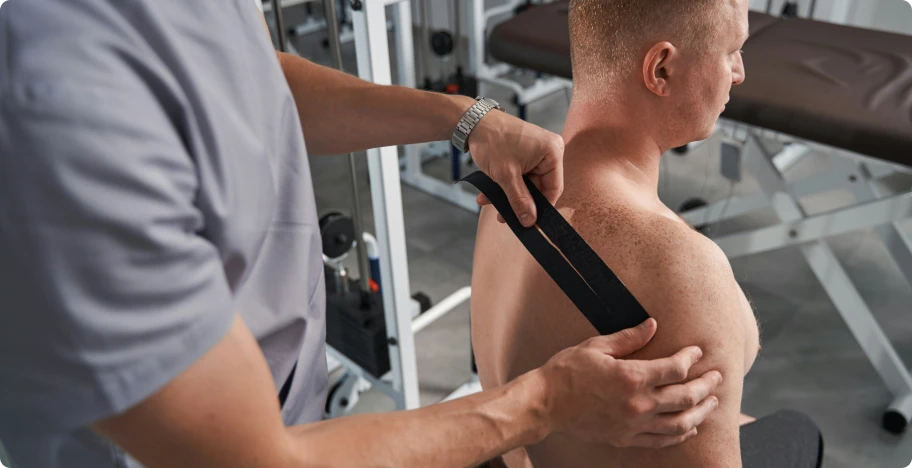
677 59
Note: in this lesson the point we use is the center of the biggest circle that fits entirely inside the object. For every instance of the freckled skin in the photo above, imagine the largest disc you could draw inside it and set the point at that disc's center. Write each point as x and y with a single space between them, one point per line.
520 318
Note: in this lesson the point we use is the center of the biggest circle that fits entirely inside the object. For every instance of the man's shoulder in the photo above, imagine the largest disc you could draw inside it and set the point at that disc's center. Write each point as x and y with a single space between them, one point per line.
624 234
660 259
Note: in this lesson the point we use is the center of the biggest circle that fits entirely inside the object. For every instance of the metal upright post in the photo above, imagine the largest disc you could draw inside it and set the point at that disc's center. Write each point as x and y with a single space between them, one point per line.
372 48
280 25
457 34
335 47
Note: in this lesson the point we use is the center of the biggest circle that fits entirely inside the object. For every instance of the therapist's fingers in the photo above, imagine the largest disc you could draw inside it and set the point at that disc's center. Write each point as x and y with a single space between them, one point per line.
518 195
548 175
677 424
670 370
657 441
675 398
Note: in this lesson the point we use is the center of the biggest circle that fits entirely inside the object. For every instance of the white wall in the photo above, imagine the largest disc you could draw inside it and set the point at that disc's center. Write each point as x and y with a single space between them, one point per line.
887 15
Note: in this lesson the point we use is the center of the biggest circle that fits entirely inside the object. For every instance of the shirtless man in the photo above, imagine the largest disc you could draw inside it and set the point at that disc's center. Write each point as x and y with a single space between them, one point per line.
649 75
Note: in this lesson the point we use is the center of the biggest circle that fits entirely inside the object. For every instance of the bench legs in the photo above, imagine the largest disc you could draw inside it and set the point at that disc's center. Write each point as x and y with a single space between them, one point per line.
781 196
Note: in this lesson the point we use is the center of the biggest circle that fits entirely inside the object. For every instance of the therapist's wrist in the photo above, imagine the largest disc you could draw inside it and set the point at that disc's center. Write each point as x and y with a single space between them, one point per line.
450 109
534 407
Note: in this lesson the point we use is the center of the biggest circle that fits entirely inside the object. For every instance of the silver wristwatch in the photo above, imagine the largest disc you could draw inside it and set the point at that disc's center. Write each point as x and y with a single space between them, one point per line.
471 118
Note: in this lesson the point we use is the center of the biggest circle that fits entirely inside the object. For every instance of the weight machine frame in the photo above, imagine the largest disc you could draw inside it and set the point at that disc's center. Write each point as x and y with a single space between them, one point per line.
872 208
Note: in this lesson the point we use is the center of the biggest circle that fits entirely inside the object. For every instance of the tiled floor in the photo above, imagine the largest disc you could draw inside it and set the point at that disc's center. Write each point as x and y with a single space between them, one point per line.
809 362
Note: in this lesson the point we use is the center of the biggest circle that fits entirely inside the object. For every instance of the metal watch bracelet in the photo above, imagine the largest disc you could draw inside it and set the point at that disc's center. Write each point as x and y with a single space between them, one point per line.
470 119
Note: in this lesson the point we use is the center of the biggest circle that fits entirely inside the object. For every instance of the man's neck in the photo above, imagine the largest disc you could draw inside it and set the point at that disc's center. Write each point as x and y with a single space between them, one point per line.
609 139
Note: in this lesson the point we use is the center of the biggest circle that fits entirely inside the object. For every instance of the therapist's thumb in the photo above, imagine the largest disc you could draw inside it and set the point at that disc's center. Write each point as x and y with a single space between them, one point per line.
626 342
519 197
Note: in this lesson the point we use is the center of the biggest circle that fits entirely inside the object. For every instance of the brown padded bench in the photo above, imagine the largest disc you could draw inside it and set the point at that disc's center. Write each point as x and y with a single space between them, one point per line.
837 85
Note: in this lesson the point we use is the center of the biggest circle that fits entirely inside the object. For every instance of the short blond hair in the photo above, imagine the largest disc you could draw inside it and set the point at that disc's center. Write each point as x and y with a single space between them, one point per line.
607 36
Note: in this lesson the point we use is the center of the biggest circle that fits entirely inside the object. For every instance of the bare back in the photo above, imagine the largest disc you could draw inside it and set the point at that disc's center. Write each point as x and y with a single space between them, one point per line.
520 318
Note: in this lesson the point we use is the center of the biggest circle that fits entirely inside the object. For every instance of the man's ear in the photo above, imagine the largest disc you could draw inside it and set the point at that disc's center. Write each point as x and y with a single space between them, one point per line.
658 67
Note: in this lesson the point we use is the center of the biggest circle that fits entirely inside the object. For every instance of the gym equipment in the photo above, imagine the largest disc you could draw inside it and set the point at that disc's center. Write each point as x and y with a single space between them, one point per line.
813 87
468 79
337 232
388 280
401 382
504 74
442 43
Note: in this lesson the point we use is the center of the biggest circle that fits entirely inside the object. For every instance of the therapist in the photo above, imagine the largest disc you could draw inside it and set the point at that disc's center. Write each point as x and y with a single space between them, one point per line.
160 269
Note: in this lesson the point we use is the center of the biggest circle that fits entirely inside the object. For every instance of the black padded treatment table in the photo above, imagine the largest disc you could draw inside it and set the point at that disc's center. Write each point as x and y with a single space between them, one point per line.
837 85
811 87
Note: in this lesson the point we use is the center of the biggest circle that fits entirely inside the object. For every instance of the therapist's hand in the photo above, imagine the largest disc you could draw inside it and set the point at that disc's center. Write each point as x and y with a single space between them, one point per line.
596 397
505 147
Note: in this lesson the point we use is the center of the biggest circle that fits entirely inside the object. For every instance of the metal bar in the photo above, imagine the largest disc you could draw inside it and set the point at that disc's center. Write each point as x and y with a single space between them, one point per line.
372 49
832 276
310 26
267 7
509 7
457 33
363 265
280 27
893 237
730 208
451 193
354 368
839 13
405 45
424 71
335 48
405 50
858 317
543 87
469 388
817 227
870 213
476 32
441 308
791 155
832 179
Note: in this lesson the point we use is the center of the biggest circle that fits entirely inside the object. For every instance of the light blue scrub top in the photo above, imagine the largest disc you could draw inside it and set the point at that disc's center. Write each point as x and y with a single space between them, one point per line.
153 182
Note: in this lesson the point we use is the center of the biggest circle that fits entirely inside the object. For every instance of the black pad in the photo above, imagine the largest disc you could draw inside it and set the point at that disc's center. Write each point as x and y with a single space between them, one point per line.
838 85
787 439
595 290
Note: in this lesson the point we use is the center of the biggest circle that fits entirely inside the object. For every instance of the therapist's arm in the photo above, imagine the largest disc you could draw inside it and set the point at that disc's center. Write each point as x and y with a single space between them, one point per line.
341 113
223 412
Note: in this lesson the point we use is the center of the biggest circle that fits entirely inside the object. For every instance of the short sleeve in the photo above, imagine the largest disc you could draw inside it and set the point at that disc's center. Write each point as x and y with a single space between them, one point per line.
110 288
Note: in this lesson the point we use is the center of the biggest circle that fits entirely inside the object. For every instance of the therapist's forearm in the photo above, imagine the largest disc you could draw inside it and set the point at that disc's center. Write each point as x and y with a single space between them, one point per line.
186 423
341 113
459 433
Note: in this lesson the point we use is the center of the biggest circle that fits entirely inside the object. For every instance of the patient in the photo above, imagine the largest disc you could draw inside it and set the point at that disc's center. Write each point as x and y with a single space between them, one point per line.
649 75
